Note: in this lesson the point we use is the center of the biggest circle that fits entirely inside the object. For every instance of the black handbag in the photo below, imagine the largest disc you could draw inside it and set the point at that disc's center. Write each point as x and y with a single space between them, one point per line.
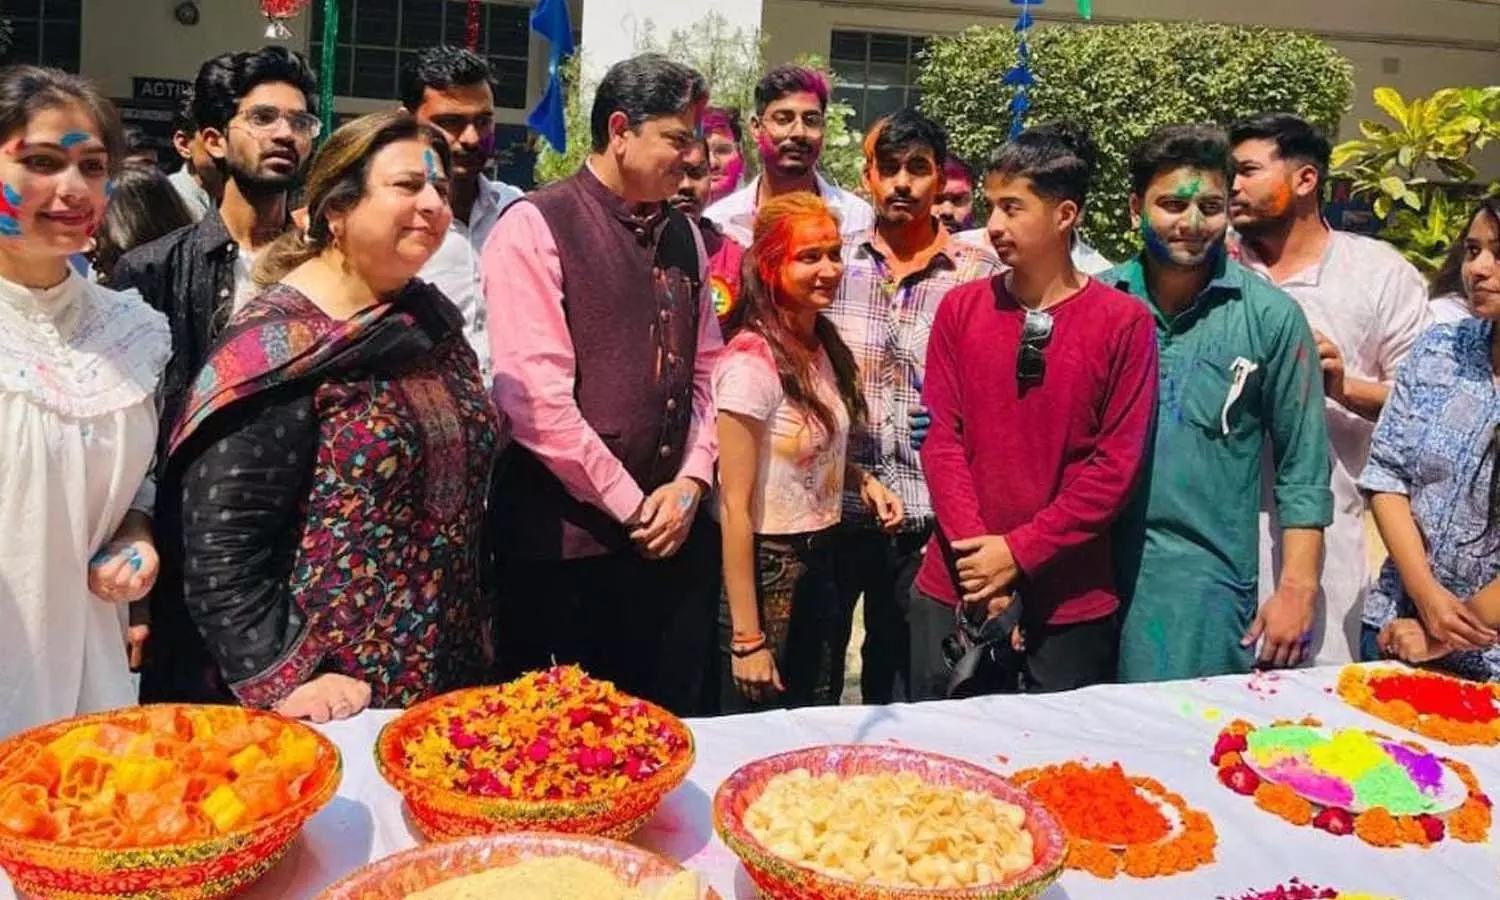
981 659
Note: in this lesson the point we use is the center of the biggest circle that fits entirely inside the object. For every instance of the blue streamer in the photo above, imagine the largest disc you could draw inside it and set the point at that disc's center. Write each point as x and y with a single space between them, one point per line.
550 19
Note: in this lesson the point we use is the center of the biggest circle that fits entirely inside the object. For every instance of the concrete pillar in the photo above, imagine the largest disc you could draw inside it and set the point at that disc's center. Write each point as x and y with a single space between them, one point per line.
613 28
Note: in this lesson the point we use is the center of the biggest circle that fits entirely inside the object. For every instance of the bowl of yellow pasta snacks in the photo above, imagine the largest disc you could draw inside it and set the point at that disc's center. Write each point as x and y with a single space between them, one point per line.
881 822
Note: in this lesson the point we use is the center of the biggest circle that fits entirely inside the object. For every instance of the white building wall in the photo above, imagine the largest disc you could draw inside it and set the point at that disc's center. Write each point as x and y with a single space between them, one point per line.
612 29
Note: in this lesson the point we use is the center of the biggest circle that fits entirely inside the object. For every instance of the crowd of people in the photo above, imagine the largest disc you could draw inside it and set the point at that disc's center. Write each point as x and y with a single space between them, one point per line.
314 426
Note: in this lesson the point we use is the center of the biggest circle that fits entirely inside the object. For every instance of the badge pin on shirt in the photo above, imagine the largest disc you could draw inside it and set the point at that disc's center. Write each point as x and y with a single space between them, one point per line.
1241 369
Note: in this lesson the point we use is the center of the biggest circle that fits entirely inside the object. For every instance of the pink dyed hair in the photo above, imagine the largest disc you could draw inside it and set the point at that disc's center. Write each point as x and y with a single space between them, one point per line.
785 80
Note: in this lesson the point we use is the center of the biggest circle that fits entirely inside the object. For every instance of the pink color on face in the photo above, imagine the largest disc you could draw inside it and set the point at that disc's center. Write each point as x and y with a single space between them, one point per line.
725 182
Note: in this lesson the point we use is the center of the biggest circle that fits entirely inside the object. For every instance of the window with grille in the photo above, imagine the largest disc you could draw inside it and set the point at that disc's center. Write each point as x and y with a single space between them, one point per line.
377 37
877 72
44 32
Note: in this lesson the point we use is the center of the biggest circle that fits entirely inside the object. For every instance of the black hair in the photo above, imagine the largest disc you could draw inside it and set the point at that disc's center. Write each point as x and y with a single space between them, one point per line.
440 68
182 117
1450 278
643 87
225 80
143 207
786 80
1202 147
27 90
1296 139
908 130
138 142
1057 157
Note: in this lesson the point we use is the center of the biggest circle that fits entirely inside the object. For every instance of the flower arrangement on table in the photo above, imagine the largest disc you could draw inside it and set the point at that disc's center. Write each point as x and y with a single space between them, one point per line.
170 802
553 750
1299 890
1386 793
1431 704
1119 823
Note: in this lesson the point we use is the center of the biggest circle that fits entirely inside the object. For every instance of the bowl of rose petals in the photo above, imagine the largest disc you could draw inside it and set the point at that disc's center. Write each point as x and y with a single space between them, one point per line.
161 802
551 751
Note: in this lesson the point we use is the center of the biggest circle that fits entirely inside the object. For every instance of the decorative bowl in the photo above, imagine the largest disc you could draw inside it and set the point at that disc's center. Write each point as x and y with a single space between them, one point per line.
440 812
396 877
197 870
781 879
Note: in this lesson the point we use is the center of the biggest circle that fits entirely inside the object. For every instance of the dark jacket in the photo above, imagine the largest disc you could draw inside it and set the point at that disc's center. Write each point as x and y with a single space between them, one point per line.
188 275
631 290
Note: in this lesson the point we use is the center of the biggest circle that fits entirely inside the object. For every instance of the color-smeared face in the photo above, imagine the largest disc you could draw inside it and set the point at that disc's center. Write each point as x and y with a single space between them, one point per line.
1183 217
54 183
693 192
1481 269
810 275
465 114
1264 189
398 224
726 162
955 203
903 185
1025 226
789 134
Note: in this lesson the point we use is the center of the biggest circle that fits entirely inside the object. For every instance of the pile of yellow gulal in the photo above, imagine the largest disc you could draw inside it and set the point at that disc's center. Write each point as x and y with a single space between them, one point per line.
557 878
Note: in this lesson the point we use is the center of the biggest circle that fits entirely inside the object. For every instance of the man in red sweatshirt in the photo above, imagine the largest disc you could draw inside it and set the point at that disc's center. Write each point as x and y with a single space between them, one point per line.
1041 385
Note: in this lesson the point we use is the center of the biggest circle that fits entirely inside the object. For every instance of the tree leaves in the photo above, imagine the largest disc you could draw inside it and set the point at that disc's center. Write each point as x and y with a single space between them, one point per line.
1123 82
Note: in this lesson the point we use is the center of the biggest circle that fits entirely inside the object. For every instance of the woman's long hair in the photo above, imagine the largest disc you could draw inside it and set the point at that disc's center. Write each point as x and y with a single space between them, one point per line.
143 207
761 311
336 182
1449 279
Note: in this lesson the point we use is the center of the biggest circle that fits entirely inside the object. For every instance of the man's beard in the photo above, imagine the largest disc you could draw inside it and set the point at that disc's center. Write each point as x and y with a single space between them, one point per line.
253 184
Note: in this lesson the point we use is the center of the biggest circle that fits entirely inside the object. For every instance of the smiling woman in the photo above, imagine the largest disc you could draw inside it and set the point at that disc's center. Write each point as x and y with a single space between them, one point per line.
77 413
336 449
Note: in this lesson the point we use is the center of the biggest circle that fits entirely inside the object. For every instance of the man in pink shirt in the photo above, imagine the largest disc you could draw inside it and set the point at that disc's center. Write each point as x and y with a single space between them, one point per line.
1041 385
604 339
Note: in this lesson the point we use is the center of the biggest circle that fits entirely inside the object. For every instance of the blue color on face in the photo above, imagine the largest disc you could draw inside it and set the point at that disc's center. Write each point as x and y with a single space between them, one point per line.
1154 243
74 138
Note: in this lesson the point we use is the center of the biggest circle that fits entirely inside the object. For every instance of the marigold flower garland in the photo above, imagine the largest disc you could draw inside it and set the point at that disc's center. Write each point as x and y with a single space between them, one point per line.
1115 823
550 735
1469 823
1432 705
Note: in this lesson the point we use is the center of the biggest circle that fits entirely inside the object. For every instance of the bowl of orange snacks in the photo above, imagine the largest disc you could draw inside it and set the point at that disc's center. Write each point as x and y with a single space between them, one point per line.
553 751
170 802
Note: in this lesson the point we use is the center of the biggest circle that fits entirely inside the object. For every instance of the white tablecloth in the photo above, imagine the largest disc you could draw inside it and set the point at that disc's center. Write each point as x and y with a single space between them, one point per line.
1165 731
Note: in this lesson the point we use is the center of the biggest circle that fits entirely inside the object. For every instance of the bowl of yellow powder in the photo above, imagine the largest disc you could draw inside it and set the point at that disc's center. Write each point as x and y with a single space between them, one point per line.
523 866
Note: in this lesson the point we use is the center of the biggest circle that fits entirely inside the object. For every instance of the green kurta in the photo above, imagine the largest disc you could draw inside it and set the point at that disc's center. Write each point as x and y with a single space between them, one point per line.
1239 373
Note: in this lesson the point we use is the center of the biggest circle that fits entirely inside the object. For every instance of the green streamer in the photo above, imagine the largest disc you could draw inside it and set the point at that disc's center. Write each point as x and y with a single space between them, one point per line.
1086 8
327 69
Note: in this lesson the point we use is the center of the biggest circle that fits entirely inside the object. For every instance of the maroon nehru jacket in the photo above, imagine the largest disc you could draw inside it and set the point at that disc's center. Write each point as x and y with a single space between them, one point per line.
631 287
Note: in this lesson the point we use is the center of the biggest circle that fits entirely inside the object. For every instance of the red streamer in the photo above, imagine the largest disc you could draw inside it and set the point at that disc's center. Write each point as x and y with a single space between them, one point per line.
472 23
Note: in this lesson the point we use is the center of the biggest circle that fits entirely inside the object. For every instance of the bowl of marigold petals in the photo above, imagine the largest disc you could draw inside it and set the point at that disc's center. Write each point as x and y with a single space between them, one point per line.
553 751
880 822
1118 823
168 802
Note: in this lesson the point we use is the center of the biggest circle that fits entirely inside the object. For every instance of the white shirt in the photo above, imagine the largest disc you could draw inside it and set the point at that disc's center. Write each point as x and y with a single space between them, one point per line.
78 423
454 268
1085 258
194 197
245 287
1448 309
735 214
1372 304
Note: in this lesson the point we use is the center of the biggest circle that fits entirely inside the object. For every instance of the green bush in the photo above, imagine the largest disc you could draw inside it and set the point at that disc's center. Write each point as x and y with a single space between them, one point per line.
1123 82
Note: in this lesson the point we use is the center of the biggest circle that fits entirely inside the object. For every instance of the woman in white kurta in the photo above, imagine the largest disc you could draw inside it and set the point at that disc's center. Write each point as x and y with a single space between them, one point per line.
79 366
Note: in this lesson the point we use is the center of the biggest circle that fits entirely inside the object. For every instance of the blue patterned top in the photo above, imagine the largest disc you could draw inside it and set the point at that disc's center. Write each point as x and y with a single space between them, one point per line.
1434 444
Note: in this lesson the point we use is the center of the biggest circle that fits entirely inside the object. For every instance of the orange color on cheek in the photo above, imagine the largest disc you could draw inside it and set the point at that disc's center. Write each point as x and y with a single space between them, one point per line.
1281 200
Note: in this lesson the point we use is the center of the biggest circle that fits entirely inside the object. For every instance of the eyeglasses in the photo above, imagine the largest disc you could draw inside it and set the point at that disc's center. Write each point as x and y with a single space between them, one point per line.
1036 333
264 118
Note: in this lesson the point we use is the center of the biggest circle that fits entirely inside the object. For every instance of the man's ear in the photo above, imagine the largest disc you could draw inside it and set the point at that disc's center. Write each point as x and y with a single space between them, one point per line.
1136 205
1069 214
1305 181
215 142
